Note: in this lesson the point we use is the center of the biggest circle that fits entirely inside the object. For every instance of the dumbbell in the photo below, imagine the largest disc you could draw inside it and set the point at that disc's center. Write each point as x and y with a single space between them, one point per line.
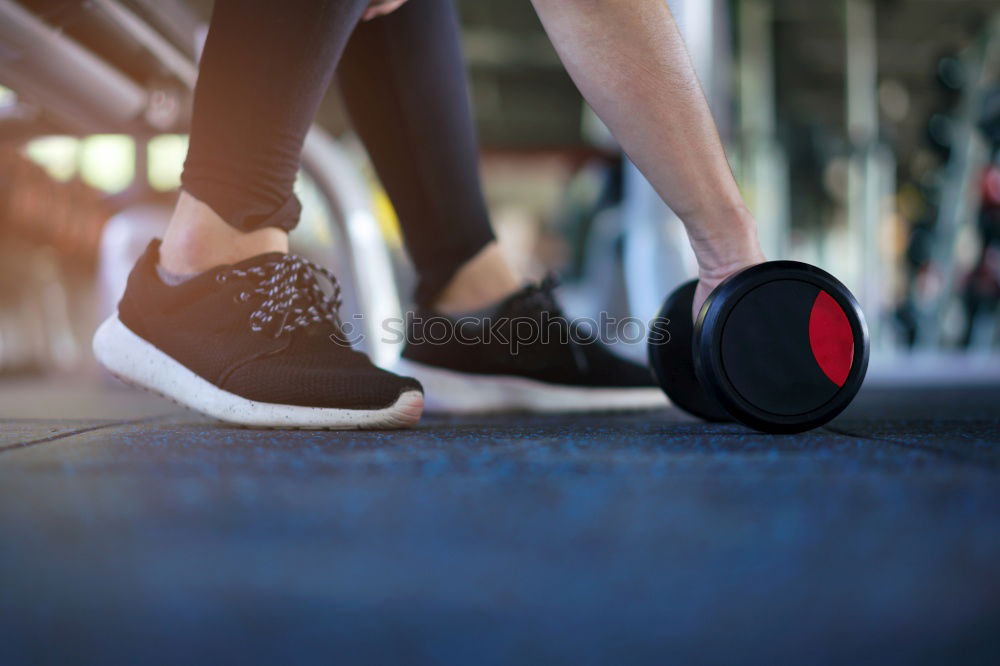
781 346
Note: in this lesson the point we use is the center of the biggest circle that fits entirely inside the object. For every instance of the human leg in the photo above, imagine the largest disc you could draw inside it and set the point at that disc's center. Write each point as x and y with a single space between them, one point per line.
249 334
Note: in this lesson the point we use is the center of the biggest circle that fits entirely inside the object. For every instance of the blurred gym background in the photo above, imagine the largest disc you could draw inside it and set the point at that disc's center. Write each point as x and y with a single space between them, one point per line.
865 135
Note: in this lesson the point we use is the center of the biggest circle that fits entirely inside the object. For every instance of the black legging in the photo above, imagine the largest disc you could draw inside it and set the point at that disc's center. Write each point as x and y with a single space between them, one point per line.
264 71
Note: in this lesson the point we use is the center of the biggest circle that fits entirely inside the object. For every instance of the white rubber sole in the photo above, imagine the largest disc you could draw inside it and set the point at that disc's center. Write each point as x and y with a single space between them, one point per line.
465 393
136 361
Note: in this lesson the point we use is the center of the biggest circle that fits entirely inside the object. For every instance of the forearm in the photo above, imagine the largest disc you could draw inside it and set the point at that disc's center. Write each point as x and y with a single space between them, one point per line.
629 61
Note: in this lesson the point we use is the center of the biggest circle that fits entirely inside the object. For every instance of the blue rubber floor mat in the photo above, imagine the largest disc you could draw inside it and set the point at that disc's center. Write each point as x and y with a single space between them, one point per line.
620 539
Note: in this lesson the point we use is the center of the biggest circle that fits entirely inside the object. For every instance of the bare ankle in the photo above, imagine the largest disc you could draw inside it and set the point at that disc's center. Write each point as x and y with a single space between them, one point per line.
197 239
484 280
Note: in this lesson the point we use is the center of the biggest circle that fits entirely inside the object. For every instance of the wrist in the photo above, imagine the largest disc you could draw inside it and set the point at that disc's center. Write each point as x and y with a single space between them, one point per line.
726 243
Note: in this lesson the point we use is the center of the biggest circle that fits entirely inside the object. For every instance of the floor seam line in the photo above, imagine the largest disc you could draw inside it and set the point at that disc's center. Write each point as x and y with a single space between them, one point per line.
79 431
936 451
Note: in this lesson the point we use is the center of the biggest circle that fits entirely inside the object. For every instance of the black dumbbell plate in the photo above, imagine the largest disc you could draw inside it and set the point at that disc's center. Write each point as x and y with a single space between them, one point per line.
783 346
670 356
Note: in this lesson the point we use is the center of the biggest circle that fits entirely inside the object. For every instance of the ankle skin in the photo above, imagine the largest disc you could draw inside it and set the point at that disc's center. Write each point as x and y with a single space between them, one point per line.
484 280
197 239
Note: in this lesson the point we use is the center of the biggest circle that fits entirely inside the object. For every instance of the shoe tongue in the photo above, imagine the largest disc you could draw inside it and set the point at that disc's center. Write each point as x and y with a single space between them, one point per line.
531 297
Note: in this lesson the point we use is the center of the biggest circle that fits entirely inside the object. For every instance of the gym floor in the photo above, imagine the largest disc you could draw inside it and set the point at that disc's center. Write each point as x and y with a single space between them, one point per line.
137 533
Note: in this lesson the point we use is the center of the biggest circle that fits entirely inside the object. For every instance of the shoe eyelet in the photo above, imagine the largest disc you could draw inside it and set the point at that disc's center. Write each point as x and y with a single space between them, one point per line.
220 277
241 297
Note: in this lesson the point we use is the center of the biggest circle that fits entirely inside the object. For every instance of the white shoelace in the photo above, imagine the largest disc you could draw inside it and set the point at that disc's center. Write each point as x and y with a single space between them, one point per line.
291 294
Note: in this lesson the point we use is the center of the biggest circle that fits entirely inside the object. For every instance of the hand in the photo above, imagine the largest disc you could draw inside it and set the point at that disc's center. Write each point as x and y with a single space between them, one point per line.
728 253
380 8
708 283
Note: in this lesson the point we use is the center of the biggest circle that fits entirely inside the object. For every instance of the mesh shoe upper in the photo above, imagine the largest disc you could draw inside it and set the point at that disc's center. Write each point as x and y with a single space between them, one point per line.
527 336
263 329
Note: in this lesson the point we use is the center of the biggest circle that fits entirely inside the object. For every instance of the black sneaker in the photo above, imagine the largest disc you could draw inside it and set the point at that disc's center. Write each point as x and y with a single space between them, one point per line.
257 343
497 362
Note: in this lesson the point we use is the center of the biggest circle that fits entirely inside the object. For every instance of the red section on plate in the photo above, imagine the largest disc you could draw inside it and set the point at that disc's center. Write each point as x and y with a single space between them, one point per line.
830 338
